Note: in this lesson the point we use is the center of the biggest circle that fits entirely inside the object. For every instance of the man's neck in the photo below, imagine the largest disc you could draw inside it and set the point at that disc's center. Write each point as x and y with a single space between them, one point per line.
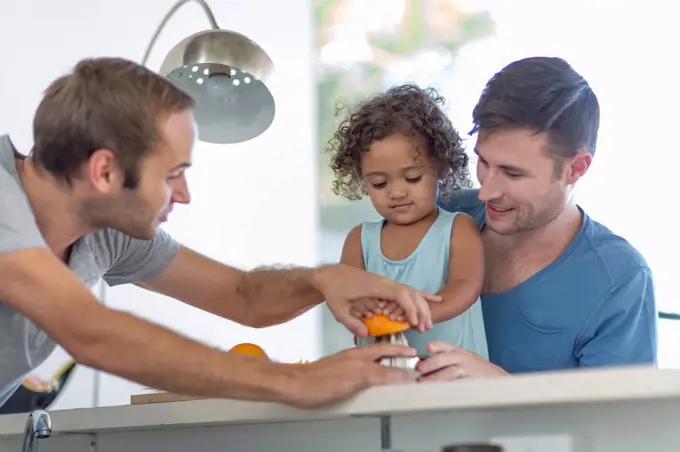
549 240
55 208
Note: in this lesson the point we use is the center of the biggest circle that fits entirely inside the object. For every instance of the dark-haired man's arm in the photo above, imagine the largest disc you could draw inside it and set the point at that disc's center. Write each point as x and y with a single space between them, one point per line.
622 328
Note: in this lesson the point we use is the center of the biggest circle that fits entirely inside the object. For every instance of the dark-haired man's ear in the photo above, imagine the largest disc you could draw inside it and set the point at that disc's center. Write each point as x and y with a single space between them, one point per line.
103 171
578 166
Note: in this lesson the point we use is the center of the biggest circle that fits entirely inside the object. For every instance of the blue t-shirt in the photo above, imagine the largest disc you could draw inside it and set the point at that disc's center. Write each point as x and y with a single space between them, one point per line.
593 306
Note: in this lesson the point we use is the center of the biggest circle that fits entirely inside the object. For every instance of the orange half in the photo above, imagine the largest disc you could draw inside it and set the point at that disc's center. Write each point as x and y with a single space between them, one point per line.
380 325
249 350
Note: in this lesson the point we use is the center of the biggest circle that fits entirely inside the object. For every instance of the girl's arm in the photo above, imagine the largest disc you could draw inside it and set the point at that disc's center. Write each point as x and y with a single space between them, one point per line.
466 270
352 254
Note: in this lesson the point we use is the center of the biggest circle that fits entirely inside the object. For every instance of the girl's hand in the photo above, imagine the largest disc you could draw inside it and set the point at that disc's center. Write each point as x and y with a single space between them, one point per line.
394 312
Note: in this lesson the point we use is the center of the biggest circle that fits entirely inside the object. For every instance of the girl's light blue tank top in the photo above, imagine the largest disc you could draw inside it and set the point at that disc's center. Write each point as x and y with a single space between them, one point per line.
426 269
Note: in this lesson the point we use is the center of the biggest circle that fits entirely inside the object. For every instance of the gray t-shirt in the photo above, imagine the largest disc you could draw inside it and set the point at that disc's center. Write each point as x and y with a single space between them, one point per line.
107 254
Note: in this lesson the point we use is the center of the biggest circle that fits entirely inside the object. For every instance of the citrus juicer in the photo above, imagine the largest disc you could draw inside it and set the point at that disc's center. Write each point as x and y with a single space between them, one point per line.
401 362
385 330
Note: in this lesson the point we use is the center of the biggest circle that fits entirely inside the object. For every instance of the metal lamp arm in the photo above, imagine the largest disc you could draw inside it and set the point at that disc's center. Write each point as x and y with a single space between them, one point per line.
175 7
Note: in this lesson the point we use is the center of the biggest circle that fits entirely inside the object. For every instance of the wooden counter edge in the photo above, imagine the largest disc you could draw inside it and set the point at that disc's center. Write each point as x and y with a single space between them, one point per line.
160 397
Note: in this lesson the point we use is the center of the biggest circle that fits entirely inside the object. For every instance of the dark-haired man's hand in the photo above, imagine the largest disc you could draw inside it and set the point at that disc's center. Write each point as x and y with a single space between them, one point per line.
450 362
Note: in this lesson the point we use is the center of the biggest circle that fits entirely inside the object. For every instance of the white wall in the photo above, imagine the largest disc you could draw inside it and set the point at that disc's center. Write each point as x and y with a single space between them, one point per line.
246 209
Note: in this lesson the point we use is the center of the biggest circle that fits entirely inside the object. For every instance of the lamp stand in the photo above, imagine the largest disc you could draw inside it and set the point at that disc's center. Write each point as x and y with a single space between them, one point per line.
175 7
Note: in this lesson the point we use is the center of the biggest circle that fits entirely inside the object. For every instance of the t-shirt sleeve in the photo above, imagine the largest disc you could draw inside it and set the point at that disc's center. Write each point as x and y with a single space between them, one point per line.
18 229
464 200
136 260
622 328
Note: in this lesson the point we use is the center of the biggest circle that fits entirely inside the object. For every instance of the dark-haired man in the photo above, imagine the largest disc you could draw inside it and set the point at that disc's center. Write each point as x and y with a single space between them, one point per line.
561 290
112 141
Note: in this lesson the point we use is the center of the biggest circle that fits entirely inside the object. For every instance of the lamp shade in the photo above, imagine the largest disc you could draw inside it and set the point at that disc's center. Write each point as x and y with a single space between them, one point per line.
229 76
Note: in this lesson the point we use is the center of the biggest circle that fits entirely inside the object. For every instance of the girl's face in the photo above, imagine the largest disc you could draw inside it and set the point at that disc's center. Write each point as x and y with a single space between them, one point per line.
400 179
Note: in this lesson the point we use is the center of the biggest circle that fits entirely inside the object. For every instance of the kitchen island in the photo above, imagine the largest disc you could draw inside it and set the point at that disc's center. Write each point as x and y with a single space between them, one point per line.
604 410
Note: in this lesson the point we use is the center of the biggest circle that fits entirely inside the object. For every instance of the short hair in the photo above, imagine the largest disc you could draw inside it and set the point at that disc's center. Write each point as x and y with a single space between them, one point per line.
543 94
104 103
407 109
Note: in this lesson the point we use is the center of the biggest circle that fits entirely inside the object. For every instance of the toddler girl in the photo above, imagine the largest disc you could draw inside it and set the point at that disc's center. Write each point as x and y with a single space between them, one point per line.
401 150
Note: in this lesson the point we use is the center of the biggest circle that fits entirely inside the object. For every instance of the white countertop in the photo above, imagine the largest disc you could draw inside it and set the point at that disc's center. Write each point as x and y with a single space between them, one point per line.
554 388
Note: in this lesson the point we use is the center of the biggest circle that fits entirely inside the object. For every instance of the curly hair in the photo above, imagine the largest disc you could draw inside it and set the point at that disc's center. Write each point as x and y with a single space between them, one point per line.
405 109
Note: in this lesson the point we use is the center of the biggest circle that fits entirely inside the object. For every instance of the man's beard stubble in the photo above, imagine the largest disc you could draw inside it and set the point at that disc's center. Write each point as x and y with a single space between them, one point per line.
128 213
529 219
